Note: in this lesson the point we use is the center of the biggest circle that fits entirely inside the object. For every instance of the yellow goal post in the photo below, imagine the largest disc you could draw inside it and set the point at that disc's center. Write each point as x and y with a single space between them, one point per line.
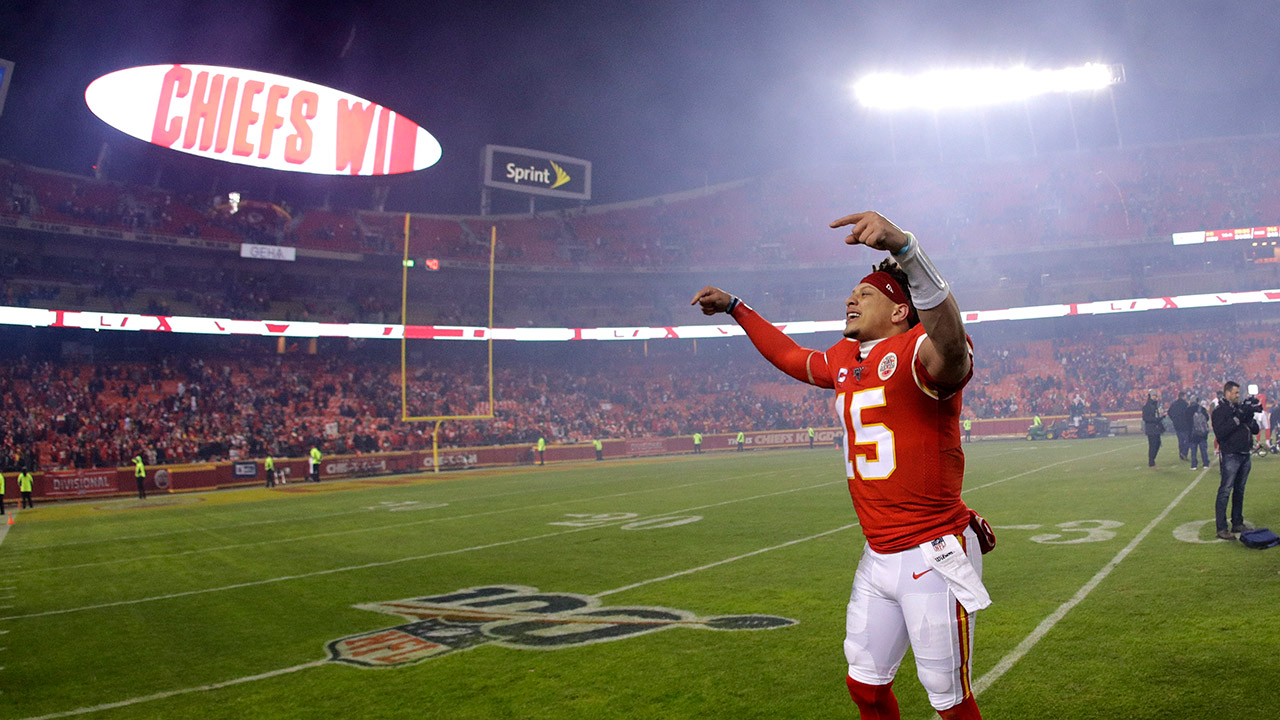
404 323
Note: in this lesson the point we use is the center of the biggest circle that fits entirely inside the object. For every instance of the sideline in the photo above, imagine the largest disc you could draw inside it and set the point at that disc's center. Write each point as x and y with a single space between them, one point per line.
4 524
318 663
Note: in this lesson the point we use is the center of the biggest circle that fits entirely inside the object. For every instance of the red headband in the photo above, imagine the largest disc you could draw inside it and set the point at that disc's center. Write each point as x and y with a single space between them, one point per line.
885 283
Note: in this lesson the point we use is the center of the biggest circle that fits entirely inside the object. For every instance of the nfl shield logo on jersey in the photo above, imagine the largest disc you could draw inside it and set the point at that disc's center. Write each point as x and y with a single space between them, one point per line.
939 545
857 374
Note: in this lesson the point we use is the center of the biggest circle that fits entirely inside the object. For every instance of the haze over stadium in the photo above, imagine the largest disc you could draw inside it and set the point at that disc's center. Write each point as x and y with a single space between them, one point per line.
519 294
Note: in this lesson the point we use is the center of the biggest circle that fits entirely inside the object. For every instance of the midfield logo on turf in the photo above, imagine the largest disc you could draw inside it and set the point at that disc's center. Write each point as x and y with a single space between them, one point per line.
514 616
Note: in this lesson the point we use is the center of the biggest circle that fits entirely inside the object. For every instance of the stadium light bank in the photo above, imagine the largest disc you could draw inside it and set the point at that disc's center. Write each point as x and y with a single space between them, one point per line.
979 87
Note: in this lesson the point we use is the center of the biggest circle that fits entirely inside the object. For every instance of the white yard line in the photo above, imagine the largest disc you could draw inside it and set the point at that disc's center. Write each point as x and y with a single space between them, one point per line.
1046 467
183 691
376 528
1009 660
384 563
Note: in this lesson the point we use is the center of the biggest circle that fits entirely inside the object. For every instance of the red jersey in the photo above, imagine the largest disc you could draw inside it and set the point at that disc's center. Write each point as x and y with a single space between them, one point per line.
902 431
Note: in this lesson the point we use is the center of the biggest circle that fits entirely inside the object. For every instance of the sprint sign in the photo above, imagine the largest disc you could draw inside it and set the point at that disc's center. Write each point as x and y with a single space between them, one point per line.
256 118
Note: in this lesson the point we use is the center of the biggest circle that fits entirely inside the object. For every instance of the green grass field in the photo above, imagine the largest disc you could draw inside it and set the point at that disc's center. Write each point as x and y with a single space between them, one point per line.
1112 599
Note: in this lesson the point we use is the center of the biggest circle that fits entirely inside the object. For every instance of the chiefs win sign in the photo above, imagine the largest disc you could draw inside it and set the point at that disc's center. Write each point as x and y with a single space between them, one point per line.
260 119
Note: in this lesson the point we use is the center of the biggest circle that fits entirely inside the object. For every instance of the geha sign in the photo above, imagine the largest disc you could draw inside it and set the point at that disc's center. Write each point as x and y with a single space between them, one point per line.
255 118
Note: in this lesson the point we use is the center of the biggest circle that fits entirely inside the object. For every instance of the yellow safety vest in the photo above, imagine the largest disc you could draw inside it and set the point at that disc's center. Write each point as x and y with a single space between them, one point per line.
24 482
269 464
139 469
598 445
697 438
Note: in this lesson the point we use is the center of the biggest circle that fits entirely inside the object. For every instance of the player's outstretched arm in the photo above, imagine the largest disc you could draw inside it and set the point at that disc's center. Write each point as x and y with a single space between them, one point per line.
945 353
803 364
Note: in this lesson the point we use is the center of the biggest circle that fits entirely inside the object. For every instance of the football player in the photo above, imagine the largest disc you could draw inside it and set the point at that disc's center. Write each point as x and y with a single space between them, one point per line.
897 374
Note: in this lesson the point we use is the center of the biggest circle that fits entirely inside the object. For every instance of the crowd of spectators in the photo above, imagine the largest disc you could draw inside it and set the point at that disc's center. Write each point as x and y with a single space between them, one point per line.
189 407
195 409
1102 373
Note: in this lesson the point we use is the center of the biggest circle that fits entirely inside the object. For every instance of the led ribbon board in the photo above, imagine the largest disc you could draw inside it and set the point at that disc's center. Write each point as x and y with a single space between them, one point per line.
260 119
89 320
1268 232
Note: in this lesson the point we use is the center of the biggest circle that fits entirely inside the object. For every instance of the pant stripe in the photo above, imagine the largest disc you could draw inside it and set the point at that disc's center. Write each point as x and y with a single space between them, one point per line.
962 620
962 623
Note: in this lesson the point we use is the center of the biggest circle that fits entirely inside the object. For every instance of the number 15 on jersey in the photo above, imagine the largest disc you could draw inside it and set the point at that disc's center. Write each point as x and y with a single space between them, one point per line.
872 449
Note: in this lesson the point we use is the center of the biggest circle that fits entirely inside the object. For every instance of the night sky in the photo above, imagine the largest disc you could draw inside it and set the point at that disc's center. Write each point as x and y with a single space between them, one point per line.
661 96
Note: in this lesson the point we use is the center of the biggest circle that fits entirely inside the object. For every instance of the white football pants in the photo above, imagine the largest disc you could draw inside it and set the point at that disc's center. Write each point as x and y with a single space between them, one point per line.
898 599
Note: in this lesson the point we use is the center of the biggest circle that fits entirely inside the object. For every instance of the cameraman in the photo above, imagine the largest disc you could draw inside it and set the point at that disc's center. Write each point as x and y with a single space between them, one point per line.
1234 427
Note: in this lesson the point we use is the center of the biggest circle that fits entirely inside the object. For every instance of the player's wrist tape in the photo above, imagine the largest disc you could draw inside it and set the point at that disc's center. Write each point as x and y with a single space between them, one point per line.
928 289
733 303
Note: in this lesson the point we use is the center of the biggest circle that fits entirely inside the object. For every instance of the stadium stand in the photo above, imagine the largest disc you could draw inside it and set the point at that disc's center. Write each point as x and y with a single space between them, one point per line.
1048 202
1063 228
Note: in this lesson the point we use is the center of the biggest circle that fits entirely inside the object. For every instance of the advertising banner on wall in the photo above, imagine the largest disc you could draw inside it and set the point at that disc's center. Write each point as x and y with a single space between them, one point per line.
268 252
79 483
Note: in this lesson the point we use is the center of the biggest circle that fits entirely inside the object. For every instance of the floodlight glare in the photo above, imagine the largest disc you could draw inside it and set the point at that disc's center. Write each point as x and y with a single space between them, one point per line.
959 88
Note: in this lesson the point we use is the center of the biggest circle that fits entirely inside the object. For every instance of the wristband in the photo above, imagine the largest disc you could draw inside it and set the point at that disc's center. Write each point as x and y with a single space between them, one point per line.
928 289
911 243
732 304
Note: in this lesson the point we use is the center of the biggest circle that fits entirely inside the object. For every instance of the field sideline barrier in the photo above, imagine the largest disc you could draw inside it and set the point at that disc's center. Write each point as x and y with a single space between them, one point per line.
116 482
1010 427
